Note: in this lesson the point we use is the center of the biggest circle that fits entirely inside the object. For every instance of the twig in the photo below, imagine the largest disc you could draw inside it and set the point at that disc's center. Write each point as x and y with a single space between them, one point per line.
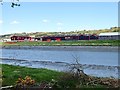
6 87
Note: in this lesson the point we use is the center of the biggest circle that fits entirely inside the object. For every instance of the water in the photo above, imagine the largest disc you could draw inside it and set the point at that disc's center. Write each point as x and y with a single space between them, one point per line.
101 62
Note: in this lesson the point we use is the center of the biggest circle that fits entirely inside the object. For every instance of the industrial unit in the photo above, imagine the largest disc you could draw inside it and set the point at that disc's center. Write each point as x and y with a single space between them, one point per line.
101 36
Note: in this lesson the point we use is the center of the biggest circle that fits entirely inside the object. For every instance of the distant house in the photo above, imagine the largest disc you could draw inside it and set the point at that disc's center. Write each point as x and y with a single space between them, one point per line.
109 36
20 38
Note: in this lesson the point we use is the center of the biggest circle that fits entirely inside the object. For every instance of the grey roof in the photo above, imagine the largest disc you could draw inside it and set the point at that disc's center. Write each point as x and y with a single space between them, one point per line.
109 34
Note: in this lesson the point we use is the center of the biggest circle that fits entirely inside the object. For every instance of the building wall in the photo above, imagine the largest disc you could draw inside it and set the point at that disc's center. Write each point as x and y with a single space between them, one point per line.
68 37
109 36
115 37
20 38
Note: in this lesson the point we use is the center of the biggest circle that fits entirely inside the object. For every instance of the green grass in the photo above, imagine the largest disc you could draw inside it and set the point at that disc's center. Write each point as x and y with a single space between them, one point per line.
12 73
69 43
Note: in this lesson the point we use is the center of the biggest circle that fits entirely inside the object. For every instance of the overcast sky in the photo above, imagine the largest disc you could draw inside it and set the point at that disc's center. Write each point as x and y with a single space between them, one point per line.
58 16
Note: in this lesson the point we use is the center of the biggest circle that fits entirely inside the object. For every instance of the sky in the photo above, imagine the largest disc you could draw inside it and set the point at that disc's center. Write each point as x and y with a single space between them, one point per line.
57 16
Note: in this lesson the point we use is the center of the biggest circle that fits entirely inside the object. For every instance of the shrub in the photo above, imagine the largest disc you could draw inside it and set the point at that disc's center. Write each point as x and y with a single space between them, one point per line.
27 81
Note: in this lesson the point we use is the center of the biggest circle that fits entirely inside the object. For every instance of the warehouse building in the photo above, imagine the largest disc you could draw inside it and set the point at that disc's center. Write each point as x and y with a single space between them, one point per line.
109 36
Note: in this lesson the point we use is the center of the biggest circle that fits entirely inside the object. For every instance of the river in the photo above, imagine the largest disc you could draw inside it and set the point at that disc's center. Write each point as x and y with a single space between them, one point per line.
96 61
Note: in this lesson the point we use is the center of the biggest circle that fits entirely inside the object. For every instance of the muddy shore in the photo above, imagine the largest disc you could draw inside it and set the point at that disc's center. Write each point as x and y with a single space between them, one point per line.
94 48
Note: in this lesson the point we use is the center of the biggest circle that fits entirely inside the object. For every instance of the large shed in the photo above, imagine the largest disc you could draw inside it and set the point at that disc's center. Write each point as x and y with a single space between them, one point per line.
67 37
20 38
109 36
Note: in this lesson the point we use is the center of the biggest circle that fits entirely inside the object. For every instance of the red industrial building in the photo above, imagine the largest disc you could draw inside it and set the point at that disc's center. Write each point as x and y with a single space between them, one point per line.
54 38
20 38
67 37
102 36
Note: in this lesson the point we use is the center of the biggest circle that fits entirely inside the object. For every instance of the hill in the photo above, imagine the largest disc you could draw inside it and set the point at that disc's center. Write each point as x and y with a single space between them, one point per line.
76 32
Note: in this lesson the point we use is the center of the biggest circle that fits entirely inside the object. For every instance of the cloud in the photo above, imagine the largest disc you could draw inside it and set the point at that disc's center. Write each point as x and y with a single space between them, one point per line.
14 22
1 21
59 23
45 20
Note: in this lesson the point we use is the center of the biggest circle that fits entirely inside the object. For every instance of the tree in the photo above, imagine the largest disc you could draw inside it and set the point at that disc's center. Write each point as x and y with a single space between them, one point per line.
13 3
76 68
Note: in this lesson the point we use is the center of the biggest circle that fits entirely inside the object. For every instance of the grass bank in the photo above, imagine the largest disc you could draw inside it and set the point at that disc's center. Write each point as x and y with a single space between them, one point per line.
68 43
10 75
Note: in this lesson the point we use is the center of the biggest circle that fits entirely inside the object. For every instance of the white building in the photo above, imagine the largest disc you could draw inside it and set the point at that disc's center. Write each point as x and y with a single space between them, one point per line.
109 36
6 40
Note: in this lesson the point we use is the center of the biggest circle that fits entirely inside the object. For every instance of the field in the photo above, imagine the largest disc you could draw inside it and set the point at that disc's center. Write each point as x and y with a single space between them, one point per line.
66 43
12 73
